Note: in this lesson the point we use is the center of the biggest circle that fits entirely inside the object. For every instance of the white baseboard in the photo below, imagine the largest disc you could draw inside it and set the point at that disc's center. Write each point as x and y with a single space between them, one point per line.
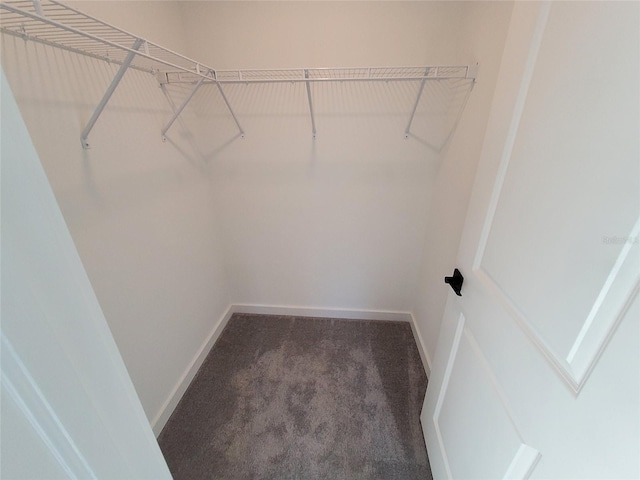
422 348
159 421
345 313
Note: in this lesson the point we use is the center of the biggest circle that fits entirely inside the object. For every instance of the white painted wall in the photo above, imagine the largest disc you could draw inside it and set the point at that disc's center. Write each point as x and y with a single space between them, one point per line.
267 34
171 234
69 409
339 221
484 31
157 21
139 211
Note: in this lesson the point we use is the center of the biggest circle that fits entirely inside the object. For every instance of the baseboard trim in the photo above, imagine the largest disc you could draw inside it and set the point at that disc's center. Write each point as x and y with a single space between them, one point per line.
345 313
422 348
161 418
159 421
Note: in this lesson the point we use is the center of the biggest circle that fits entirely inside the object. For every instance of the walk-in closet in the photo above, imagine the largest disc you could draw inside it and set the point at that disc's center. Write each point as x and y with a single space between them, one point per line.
323 239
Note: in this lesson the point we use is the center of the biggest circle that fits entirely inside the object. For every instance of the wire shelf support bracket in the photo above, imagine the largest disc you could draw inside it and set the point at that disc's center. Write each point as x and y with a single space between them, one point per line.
226 101
38 7
179 110
107 96
415 105
313 120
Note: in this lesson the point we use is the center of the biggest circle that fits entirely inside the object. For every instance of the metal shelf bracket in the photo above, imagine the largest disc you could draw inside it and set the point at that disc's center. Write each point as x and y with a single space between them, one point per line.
313 120
179 110
407 130
112 88
38 7
226 101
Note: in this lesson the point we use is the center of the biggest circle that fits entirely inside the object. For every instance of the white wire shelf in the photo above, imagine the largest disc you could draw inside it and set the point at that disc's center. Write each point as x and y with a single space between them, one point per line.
59 25
326 74
53 23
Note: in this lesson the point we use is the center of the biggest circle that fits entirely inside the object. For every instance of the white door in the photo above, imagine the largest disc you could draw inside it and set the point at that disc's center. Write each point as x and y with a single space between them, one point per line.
536 372
69 409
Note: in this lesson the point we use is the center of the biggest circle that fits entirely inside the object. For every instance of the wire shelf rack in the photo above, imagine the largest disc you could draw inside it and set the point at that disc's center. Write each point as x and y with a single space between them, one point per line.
328 74
58 25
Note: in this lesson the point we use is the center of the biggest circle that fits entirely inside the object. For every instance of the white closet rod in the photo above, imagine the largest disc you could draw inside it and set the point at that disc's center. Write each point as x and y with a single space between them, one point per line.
52 23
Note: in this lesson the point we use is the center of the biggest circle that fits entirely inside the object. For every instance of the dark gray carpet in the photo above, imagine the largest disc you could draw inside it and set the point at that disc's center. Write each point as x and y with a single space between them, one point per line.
302 398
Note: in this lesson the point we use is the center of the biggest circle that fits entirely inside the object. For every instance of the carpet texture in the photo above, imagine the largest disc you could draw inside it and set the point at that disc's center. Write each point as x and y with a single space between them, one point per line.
302 398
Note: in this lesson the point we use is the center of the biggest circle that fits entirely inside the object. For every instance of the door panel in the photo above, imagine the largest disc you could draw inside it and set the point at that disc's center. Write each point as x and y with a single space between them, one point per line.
589 146
523 381
486 410
69 409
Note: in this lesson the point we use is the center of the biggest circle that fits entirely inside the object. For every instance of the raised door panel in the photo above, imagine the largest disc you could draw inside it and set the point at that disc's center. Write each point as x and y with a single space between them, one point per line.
544 370
473 420
557 240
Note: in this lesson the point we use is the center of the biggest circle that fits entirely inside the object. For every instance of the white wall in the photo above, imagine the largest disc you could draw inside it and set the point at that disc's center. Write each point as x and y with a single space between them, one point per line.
339 221
259 34
139 211
157 21
484 28
171 234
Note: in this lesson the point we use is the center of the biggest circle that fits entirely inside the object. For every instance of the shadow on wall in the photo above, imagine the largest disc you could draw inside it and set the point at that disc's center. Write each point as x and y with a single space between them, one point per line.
356 106
58 91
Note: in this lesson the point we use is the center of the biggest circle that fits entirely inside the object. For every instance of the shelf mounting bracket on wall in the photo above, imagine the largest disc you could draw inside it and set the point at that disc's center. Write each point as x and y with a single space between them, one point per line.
38 7
179 110
112 88
313 120
407 130
226 101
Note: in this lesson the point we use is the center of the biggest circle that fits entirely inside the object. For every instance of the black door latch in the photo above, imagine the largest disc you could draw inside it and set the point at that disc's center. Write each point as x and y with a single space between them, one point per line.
455 281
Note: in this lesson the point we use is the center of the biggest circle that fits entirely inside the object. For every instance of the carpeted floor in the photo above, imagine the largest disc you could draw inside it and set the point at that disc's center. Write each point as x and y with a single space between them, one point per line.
302 398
